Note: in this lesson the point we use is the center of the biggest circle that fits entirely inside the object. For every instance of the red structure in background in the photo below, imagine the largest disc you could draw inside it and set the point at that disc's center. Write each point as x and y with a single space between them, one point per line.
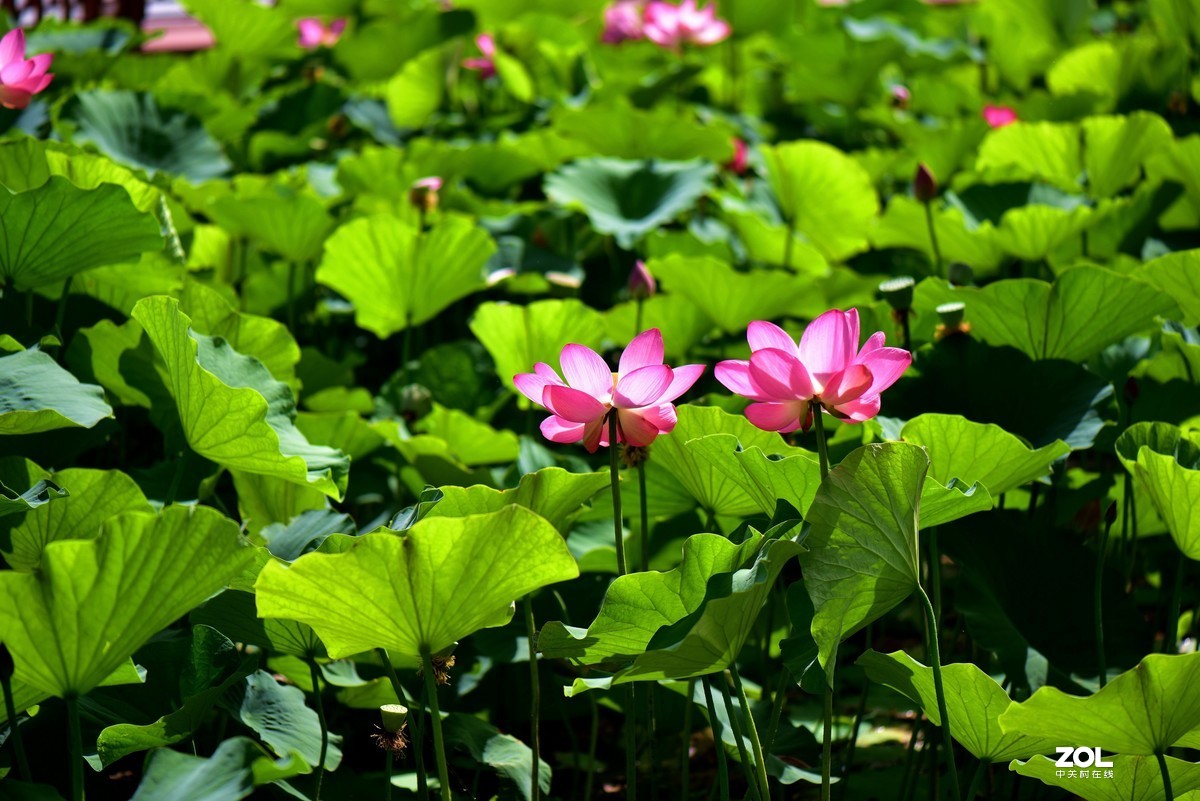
179 32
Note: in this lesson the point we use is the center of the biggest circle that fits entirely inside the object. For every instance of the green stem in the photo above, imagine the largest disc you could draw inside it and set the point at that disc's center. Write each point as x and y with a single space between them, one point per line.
788 244
1098 607
906 790
715 723
1171 635
685 760
320 705
651 737
536 704
1166 776
906 330
736 725
618 526
827 735
939 688
760 761
406 347
418 727
977 780
933 241
29 310
76 746
645 560
631 743
637 319
819 430
785 679
935 572
593 738
60 316
439 747
10 709
389 759
291 295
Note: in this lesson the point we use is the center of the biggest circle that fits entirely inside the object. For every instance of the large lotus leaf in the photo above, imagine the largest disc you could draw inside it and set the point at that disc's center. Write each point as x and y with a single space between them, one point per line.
133 130
518 337
824 194
862 557
619 130
507 755
688 622
25 487
245 27
424 589
26 695
974 701
38 395
1143 711
277 713
1134 778
381 45
1166 461
472 441
232 411
768 242
1117 147
416 92
698 462
968 451
1044 151
1024 36
57 230
733 299
285 222
121 286
628 199
551 492
1034 232
682 322
233 613
95 602
265 339
95 496
1177 275
903 224
766 477
1084 311
231 773
398 276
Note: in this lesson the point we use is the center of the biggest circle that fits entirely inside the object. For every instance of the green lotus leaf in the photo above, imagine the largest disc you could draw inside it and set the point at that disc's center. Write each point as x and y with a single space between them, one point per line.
38 395
1177 275
1042 151
824 194
26 695
551 492
974 701
768 242
265 339
1034 232
903 224
518 337
682 322
472 441
233 613
382 45
619 130
1118 147
959 448
95 602
690 621
57 230
231 773
422 590
628 199
1143 711
507 755
1085 310
731 298
17 473
277 713
1134 778
245 27
121 286
285 222
231 409
1166 461
416 92
95 496
397 276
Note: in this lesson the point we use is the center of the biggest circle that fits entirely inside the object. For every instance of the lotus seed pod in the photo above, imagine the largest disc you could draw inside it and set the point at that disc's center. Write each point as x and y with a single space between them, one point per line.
960 274
951 314
394 717
898 292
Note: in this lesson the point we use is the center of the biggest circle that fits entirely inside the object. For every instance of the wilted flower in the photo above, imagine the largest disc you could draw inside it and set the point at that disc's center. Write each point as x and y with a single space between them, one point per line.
827 370
640 393
486 66
21 78
641 283
315 33
999 116
623 21
672 25
424 193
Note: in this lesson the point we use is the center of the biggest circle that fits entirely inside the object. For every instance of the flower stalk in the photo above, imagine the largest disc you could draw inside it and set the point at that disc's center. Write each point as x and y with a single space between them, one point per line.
320 707
715 724
535 708
935 658
439 746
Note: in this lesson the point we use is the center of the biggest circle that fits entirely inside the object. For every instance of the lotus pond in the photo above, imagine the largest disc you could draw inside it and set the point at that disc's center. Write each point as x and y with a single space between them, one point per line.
561 399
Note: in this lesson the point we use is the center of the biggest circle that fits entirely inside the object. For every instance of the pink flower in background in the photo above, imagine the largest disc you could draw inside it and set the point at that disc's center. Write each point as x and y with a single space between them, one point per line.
672 25
21 78
826 370
424 193
901 96
999 116
315 33
623 22
640 393
741 157
641 282
486 65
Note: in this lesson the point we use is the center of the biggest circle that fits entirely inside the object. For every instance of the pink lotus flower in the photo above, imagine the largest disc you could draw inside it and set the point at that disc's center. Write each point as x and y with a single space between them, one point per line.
486 65
315 33
21 78
741 157
827 370
671 25
623 22
641 281
999 116
900 95
640 393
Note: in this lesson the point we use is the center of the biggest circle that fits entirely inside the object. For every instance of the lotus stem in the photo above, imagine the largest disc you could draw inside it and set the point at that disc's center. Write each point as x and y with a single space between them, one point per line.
75 744
933 241
827 734
637 318
291 295
418 727
743 754
777 705
1098 605
685 754
1169 794
60 317
940 689
651 736
819 431
10 709
631 743
644 562
935 573
535 709
593 737
618 526
439 747
910 758
977 780
715 724
388 761
1171 635
320 705
760 759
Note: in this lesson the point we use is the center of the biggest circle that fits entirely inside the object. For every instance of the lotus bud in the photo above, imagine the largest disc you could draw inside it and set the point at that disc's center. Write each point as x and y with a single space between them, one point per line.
7 668
641 283
951 315
898 292
394 717
900 96
924 184
960 274
416 401
424 194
